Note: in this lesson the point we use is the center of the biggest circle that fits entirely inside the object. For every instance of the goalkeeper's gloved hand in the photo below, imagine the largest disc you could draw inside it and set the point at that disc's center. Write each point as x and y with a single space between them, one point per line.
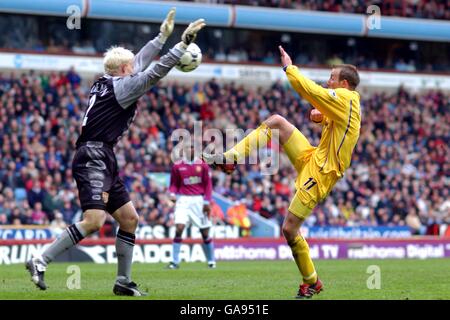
167 26
190 33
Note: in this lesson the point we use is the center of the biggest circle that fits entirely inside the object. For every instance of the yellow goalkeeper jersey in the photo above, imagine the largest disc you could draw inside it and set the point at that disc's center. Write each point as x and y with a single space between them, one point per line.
341 123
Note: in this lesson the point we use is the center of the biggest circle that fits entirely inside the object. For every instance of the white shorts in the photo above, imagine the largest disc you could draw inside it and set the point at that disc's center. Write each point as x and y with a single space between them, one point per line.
189 209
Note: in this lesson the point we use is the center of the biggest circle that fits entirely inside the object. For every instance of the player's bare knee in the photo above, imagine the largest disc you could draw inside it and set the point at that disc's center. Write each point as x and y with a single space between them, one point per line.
205 234
133 221
284 127
275 121
129 223
290 228
179 228
289 232
93 220
92 226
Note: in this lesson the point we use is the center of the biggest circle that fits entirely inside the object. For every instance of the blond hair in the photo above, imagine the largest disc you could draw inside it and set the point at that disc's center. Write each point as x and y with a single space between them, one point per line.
114 58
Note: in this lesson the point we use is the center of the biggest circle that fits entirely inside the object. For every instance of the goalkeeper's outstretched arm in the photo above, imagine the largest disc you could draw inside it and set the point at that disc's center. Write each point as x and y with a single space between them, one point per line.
148 52
130 88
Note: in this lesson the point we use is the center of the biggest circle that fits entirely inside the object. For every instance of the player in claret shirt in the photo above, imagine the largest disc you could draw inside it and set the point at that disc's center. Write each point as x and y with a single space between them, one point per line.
191 186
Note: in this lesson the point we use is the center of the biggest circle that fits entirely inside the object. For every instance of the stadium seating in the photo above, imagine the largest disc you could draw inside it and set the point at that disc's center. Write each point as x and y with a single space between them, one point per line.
397 177
229 45
402 8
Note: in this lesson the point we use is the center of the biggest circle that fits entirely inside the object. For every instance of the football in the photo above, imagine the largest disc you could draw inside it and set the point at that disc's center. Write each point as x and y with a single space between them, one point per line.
191 59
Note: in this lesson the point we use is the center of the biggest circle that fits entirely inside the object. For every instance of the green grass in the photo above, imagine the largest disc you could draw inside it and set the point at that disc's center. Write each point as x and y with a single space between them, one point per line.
258 280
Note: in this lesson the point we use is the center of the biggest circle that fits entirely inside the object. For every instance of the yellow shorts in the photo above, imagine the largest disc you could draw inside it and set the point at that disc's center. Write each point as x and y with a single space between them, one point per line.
312 185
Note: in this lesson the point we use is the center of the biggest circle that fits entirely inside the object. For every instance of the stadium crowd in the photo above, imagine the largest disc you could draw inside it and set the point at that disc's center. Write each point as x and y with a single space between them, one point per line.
226 45
425 9
399 173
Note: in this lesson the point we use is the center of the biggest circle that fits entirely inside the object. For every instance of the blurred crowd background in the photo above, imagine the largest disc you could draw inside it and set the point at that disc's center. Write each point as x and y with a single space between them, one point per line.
232 45
425 9
399 173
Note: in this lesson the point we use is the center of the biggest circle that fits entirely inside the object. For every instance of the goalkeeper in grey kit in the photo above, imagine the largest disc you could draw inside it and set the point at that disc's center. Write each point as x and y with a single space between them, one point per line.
110 111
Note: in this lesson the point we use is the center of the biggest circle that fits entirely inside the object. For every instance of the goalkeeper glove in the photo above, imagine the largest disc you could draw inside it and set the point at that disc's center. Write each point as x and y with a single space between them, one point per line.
167 26
190 33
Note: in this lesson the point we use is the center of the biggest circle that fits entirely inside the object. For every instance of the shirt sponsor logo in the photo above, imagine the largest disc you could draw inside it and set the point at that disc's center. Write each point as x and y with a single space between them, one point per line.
192 180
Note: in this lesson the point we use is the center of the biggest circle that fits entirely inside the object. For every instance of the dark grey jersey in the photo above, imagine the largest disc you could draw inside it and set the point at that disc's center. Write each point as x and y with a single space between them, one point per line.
112 100
105 119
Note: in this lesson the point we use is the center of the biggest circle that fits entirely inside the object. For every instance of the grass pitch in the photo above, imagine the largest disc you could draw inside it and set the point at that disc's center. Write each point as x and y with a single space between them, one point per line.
253 280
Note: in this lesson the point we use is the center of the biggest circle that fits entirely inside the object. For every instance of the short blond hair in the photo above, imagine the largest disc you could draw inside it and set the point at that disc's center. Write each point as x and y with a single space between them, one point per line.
114 58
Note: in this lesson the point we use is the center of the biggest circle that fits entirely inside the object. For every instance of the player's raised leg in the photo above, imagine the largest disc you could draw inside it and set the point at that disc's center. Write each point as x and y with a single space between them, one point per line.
127 218
300 249
256 139
176 246
93 220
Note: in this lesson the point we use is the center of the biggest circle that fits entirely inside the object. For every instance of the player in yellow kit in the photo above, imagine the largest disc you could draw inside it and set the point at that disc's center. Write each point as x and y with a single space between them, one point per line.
337 109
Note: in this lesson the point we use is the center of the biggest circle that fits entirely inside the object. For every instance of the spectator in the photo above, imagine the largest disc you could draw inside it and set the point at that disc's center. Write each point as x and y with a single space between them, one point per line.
38 216
73 78
16 217
68 212
58 224
238 215
51 202
413 221
36 193
400 161
217 215
3 219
